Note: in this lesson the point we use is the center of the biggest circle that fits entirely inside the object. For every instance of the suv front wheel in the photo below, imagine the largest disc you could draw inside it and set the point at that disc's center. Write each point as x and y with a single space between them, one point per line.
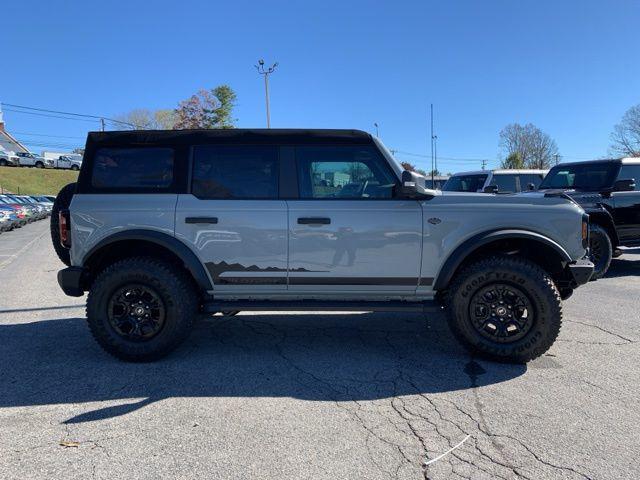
140 309
505 308
601 250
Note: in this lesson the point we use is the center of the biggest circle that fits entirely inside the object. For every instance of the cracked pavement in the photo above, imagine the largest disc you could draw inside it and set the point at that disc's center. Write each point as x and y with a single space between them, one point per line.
322 396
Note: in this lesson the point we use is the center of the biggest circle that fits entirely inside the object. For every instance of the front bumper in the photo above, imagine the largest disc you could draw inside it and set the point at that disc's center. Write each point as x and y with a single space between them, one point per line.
579 272
70 280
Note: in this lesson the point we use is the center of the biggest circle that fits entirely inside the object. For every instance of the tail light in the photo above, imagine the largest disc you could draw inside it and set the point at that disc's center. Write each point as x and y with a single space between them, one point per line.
64 224
585 230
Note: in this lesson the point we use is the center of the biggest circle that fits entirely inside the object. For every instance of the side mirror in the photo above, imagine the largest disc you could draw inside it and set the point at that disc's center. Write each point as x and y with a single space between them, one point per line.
531 187
626 185
490 189
413 185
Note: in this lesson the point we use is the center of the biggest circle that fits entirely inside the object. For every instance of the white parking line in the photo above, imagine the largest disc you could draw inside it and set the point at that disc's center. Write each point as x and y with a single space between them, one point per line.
11 258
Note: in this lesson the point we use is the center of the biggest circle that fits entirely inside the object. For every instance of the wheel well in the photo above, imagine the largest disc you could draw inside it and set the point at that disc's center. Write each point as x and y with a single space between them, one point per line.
606 223
121 249
538 252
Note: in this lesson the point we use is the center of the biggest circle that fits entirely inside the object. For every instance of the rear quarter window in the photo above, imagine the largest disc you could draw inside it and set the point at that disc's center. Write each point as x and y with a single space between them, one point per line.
145 168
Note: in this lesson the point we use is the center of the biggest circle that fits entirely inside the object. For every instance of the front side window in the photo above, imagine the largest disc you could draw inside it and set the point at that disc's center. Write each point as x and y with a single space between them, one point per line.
465 183
527 179
505 183
588 176
138 168
235 171
347 172
628 172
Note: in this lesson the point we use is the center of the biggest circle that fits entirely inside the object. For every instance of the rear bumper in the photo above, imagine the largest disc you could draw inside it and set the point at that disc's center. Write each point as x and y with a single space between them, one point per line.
70 281
579 272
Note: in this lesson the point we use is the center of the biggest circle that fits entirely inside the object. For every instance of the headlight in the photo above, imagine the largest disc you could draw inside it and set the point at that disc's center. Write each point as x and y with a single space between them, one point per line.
585 230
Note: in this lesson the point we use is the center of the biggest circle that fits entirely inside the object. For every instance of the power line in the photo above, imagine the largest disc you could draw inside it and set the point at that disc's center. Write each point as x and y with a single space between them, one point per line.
97 117
45 135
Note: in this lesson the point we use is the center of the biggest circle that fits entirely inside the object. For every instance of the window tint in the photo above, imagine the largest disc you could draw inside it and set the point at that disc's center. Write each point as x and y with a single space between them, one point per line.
235 172
347 172
589 176
527 178
465 183
505 183
628 172
143 168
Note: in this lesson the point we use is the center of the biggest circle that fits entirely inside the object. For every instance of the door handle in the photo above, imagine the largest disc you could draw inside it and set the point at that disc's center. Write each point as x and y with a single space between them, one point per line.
201 220
314 221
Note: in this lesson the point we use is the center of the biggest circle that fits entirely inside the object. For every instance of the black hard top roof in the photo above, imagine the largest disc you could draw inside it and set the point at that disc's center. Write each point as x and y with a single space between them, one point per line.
231 135
587 162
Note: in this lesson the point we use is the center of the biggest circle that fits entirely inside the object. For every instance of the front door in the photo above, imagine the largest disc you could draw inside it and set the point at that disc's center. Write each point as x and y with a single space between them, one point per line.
627 207
347 232
234 220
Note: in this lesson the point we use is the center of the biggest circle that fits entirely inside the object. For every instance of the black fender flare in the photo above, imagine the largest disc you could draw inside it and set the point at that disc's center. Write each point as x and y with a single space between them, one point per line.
179 248
462 251
602 216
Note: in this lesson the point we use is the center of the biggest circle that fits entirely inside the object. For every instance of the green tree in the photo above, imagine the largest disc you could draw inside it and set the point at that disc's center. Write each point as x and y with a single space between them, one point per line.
207 109
514 160
145 119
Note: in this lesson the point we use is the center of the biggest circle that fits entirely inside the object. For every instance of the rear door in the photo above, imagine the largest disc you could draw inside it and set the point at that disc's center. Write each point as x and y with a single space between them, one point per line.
347 232
627 207
233 219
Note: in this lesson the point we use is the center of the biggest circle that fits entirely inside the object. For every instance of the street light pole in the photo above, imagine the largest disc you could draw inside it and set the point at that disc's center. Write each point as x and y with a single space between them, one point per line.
266 72
375 124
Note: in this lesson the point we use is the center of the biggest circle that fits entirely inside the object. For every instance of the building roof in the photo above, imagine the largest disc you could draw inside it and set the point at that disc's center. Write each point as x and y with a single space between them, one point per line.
7 141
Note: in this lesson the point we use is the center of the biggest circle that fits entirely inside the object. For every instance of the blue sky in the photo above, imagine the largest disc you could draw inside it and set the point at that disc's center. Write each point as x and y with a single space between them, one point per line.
570 67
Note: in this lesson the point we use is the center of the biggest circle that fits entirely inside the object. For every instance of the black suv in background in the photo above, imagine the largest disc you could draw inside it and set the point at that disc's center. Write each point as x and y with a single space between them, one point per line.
609 191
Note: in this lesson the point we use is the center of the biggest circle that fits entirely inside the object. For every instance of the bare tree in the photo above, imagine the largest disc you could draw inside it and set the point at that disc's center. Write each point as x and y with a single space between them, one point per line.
145 119
535 148
625 139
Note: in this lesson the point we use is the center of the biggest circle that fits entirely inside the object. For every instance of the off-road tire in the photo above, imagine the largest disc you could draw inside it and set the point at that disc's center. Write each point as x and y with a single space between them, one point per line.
176 291
39 165
3 163
63 200
600 242
527 277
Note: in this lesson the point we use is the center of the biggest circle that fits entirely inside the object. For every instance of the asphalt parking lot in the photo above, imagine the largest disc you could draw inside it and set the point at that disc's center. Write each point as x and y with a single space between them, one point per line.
327 396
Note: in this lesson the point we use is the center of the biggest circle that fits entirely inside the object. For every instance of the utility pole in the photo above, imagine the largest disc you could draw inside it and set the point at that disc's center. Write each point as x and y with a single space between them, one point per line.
377 133
435 153
432 147
557 158
102 123
266 72
484 164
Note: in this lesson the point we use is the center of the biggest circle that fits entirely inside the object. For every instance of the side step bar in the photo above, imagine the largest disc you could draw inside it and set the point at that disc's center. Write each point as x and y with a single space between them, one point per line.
213 306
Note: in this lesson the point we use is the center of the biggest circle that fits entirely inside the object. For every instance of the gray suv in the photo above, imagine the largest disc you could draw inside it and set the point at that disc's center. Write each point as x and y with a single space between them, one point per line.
165 225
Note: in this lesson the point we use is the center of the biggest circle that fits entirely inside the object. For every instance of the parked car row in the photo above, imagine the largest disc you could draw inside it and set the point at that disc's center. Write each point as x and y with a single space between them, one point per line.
28 159
18 210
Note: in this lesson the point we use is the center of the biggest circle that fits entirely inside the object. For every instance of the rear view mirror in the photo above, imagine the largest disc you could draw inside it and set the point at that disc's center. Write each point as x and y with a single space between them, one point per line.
490 189
626 185
531 186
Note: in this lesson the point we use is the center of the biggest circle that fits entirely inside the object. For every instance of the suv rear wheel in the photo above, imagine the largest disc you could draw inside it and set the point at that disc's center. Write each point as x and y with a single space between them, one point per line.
505 308
601 250
140 309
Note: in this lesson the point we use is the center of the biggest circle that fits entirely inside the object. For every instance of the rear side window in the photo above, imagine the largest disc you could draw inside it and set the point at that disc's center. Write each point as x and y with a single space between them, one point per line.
133 168
240 172
505 183
530 178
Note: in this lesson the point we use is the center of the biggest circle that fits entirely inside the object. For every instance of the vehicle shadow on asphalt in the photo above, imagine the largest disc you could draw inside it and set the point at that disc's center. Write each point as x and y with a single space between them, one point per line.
624 267
337 357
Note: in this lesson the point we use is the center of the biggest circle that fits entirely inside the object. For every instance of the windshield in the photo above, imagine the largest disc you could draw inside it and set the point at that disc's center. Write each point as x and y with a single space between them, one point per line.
591 176
465 183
